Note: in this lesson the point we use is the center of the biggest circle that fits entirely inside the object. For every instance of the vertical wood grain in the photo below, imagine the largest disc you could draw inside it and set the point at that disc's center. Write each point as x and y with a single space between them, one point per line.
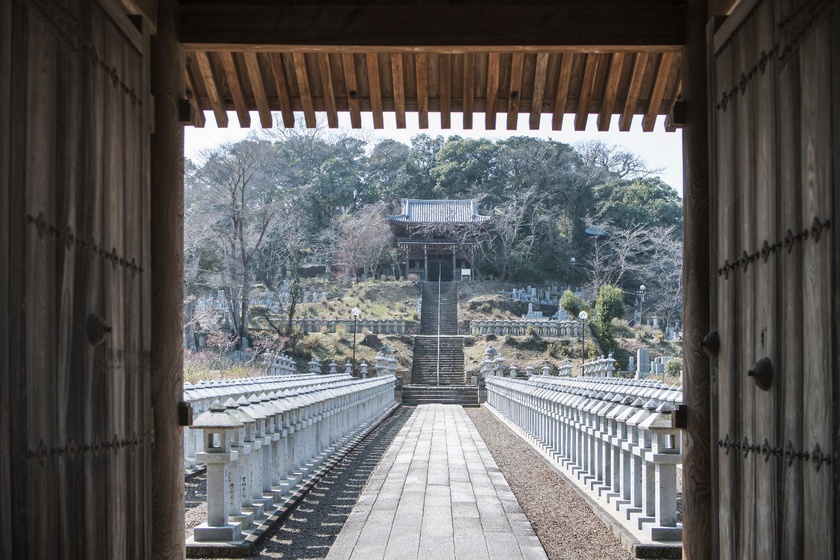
375 89
469 89
493 63
586 85
445 63
167 246
422 72
252 65
350 80
562 90
640 61
327 89
304 89
540 72
281 87
398 79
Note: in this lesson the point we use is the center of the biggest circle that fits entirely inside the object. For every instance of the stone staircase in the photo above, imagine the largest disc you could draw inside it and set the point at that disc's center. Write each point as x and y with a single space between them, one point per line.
425 386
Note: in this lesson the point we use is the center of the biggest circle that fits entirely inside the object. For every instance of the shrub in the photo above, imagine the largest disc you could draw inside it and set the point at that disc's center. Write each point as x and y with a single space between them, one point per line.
571 303
673 368
609 305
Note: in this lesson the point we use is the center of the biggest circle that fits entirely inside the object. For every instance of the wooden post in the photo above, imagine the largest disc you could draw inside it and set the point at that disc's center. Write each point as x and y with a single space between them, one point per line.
697 465
167 248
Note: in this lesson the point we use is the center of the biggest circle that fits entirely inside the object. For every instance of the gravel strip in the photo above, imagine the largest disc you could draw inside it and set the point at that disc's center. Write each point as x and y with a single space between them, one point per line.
563 522
311 528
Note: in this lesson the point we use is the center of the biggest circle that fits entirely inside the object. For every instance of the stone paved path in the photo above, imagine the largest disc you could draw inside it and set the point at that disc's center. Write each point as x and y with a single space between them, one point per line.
437 494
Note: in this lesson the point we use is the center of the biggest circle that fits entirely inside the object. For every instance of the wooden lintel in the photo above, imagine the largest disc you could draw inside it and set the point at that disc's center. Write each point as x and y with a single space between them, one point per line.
586 85
638 75
514 94
493 65
398 79
328 89
610 91
210 84
615 23
422 90
562 91
275 62
235 88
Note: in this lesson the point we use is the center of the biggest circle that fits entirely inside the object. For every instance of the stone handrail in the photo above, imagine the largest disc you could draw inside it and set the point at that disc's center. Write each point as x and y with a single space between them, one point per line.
375 326
613 435
260 449
519 327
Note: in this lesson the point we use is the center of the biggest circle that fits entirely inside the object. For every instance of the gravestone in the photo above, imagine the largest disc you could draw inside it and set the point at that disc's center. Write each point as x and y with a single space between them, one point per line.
631 364
643 362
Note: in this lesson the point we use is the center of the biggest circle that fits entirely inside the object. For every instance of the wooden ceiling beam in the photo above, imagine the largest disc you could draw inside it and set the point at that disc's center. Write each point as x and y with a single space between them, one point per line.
252 64
539 91
375 89
633 91
302 73
493 68
398 79
445 62
562 91
235 88
658 91
635 24
469 90
422 70
328 88
610 91
281 86
586 85
212 87
350 82
514 95
198 114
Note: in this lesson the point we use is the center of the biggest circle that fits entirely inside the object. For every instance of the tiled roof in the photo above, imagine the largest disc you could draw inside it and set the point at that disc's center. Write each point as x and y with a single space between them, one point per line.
439 211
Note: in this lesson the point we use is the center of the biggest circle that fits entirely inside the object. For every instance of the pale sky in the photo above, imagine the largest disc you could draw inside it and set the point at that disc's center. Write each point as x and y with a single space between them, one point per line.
659 149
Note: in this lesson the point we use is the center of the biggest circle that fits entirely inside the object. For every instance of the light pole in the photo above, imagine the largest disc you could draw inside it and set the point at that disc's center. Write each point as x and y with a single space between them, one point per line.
583 316
573 264
355 312
641 304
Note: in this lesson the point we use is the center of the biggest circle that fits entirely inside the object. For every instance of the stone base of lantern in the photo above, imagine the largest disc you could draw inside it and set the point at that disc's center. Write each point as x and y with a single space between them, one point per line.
263 503
227 532
668 534
246 519
640 520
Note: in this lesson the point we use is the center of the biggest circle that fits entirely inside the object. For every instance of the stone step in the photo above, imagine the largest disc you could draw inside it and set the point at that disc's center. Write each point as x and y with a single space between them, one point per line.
465 395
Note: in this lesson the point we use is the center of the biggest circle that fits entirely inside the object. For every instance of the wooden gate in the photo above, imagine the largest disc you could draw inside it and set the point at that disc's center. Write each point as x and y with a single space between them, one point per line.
774 67
75 396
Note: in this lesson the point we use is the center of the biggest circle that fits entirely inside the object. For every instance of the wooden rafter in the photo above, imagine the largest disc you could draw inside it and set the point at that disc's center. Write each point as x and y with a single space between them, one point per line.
422 90
539 91
275 62
658 91
493 64
562 91
197 112
235 88
252 65
469 89
398 79
610 91
638 75
212 88
302 74
586 85
328 89
375 89
352 89
445 90
514 95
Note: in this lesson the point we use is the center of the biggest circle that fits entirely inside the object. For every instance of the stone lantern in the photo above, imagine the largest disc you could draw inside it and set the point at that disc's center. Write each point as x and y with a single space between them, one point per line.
220 431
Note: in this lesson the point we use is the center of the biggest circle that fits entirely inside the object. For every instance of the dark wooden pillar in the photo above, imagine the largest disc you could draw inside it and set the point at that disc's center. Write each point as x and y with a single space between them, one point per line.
167 243
697 465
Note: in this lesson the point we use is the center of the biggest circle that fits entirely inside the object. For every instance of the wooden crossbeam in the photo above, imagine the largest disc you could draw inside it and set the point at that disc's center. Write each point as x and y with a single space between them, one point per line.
350 82
281 86
586 85
422 89
398 79
302 73
562 90
252 65
445 90
235 88
328 89
469 89
539 91
572 24
516 63
610 91
493 64
375 90
658 91
212 87
639 66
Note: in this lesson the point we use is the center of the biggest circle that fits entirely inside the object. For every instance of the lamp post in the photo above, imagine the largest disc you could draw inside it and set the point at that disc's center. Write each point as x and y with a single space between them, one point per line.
641 304
573 264
355 312
583 316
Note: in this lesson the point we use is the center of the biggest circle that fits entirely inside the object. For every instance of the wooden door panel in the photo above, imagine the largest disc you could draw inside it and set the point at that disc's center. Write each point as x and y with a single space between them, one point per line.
772 193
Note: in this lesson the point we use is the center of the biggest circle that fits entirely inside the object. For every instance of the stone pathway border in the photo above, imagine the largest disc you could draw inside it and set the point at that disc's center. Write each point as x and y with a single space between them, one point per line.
437 494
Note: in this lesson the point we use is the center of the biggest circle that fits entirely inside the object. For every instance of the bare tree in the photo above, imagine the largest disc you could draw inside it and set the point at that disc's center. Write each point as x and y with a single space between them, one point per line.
364 241
613 162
